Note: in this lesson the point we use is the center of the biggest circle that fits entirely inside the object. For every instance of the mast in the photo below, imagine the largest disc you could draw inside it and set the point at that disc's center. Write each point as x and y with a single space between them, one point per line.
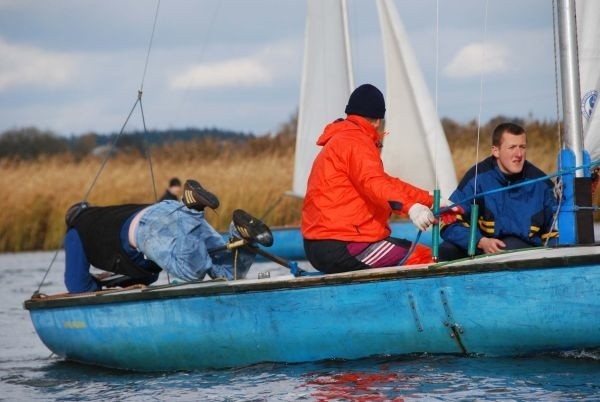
575 217
569 66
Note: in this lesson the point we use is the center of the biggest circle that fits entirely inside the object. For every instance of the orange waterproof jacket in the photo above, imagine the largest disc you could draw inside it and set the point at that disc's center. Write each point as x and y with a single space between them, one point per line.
349 197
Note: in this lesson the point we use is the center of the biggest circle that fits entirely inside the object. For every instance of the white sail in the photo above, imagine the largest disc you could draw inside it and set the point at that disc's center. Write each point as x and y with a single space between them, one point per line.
588 38
416 147
326 81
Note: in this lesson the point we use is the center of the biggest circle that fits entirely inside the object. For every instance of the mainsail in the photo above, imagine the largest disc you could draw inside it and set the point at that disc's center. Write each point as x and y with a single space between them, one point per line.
326 81
588 34
416 148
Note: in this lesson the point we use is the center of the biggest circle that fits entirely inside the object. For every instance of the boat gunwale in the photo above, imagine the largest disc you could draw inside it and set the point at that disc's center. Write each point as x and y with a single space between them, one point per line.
223 287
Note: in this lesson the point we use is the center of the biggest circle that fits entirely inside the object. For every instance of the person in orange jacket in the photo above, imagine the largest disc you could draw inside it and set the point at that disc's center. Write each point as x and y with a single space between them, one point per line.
349 197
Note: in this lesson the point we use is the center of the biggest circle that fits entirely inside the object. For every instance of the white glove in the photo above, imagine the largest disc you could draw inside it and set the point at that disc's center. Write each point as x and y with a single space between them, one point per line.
421 216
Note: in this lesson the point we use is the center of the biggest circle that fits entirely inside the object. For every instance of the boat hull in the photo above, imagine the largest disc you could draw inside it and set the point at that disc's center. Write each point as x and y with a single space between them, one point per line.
541 301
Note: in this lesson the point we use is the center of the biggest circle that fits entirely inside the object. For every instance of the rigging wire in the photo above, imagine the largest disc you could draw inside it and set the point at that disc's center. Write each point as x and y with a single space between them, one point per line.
481 71
150 46
114 143
556 90
140 93
558 188
137 101
473 221
435 239
204 43
437 70
147 148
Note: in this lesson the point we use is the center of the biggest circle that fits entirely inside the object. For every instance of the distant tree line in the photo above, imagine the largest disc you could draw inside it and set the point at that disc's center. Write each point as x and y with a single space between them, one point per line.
31 143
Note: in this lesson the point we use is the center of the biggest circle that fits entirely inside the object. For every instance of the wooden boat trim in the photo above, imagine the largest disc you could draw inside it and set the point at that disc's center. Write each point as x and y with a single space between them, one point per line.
530 259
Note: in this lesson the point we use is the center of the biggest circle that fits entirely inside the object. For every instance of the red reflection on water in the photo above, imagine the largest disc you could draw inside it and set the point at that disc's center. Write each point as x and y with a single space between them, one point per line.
355 386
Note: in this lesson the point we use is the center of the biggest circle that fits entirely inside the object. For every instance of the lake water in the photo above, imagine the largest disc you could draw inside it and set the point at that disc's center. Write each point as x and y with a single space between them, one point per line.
28 371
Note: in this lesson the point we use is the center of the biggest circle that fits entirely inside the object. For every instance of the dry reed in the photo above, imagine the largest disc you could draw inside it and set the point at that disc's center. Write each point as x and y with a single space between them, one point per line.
253 176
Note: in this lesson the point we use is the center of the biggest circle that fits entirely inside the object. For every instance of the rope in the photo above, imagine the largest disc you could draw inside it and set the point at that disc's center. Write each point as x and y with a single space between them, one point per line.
411 249
558 193
524 183
498 190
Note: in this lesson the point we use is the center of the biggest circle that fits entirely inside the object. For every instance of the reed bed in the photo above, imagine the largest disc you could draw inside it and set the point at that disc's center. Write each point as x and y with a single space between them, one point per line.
253 175
37 193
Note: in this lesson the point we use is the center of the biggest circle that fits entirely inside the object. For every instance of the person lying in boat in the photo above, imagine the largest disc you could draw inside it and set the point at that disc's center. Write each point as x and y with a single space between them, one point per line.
349 197
517 218
139 241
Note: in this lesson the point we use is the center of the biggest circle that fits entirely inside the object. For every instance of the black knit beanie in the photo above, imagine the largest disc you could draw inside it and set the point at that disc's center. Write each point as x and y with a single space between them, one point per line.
366 101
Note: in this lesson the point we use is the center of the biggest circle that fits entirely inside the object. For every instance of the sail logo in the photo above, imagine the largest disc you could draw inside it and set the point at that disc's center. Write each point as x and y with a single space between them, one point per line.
588 102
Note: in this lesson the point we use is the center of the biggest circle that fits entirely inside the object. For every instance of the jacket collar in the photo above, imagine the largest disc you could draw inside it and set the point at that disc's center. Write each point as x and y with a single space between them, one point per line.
365 126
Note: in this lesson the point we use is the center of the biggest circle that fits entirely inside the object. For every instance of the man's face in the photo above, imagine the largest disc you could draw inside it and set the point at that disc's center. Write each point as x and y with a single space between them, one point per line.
511 153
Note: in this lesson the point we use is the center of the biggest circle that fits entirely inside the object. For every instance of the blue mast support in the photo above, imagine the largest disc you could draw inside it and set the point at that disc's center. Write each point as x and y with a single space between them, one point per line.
567 227
435 235
473 228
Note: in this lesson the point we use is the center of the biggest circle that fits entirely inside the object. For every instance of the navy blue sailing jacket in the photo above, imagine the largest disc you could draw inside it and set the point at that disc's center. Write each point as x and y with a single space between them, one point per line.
525 212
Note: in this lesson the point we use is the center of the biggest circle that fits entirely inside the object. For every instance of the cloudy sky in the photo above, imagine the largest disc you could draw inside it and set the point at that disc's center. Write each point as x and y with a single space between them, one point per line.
76 66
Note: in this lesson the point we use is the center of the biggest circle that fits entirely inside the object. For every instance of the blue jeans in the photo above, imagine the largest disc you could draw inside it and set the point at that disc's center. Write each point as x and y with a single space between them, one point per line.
178 239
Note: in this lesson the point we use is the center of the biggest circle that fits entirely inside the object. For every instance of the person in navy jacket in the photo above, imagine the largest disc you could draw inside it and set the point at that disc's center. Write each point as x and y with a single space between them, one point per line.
516 218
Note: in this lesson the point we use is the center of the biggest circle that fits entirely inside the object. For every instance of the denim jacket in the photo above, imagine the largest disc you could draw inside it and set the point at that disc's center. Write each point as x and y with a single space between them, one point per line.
178 239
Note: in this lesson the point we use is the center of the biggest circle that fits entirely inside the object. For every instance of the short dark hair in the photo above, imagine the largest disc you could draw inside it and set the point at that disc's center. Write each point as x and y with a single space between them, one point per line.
174 182
502 128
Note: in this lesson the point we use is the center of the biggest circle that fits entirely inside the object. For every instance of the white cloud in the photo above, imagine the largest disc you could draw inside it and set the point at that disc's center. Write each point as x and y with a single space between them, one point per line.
25 65
236 72
469 62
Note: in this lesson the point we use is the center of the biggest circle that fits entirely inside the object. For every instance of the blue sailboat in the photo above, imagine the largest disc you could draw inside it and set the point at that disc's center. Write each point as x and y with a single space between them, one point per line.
507 304
517 303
